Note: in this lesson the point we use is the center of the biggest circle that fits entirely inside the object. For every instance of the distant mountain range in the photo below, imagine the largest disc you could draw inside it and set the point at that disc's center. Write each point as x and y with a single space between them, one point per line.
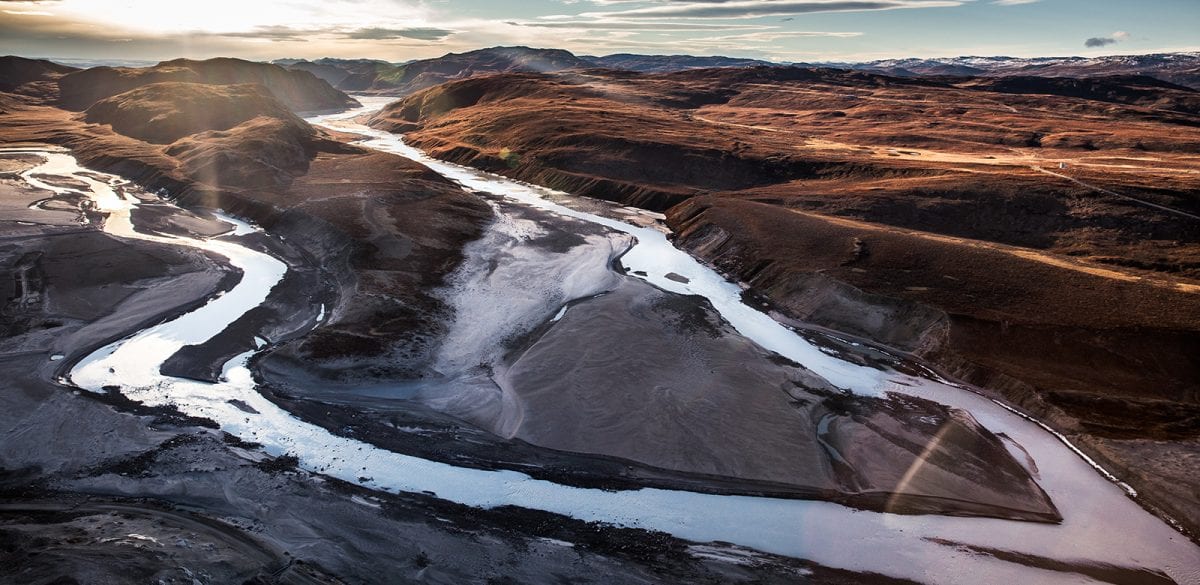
374 76
669 63
363 75
1178 68
366 75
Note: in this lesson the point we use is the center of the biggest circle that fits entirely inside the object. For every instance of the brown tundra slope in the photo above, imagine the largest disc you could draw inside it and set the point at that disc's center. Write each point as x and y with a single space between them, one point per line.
1038 238
370 234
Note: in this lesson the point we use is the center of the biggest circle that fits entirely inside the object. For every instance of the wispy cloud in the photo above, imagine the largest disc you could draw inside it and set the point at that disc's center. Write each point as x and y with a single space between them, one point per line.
416 33
27 7
760 8
655 26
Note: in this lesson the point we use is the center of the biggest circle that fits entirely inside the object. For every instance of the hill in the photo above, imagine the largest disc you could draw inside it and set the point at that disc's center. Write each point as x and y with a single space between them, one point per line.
30 76
17 71
380 77
343 74
360 222
298 90
1138 90
372 76
165 112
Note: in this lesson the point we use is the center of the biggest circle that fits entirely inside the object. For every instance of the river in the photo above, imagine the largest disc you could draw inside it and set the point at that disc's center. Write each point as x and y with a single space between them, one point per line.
1102 526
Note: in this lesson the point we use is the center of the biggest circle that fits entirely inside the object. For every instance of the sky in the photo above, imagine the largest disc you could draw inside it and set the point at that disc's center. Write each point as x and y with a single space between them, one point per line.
780 30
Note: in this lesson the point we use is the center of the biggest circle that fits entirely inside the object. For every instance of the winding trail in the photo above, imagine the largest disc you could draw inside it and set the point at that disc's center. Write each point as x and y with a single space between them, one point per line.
1102 527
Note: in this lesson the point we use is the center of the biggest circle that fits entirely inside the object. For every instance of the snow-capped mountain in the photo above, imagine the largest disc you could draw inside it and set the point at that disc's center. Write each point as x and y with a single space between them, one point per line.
1179 68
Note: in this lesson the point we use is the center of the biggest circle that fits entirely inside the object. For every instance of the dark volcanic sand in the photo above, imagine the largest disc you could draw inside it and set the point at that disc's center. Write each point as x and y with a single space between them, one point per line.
654 377
644 376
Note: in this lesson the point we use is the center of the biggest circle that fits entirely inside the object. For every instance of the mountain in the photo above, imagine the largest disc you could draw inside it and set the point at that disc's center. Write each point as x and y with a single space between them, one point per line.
403 79
16 72
400 79
372 76
236 136
344 74
299 90
668 63
1178 68
162 113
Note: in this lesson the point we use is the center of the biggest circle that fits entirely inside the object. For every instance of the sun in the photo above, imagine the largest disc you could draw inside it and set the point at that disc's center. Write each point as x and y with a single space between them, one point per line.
233 16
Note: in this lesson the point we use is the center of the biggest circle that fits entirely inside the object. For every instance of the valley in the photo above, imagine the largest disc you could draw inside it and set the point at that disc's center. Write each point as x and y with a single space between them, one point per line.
693 326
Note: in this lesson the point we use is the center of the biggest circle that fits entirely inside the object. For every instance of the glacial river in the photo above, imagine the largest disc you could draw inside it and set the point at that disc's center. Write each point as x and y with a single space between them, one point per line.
1102 526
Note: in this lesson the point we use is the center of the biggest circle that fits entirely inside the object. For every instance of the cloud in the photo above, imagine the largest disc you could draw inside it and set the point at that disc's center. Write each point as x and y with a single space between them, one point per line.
271 33
1013 2
759 8
637 26
416 33
1112 39
775 35
287 33
27 7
